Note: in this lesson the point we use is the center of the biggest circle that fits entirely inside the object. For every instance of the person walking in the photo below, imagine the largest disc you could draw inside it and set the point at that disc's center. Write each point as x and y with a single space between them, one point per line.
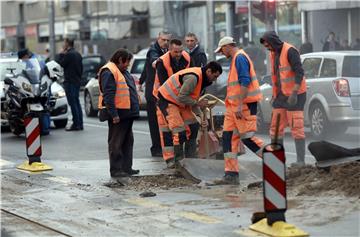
289 91
178 97
197 54
118 94
242 95
156 50
331 44
71 61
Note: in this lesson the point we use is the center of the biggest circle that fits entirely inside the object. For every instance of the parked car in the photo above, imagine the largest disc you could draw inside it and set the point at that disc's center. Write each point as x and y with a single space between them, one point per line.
333 93
91 65
58 102
91 91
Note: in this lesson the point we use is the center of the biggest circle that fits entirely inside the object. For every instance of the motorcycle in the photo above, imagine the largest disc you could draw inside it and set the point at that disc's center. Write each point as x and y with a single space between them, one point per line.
28 93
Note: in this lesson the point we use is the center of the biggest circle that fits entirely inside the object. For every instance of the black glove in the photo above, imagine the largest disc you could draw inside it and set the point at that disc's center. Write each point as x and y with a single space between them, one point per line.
292 100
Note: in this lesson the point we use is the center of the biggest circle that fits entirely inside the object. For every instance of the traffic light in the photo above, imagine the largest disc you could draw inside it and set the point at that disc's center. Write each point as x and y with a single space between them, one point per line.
270 9
264 10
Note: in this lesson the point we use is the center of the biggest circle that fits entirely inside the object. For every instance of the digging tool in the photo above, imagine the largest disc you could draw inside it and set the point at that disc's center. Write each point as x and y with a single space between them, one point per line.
328 154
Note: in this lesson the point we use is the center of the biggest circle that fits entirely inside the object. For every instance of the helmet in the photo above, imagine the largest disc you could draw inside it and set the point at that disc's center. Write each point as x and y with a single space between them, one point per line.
55 71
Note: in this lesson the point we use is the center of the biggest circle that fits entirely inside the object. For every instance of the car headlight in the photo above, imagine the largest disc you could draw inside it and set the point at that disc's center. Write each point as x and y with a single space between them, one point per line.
26 87
60 94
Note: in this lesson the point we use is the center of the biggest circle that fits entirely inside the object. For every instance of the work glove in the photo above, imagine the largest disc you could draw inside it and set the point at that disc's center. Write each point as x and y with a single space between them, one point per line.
292 100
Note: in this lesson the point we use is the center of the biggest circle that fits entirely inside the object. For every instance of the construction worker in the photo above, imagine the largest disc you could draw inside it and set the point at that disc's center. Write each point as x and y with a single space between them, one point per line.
289 91
168 64
156 50
178 98
242 96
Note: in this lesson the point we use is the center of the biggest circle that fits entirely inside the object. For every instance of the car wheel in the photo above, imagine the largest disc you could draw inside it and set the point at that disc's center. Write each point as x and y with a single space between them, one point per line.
319 122
89 109
60 123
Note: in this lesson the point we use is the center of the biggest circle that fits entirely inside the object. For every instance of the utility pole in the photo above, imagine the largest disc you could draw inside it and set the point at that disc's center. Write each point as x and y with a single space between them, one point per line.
229 16
211 30
52 29
250 21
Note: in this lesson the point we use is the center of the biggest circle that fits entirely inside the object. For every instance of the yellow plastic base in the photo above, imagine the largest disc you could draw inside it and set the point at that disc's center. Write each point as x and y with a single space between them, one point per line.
34 167
278 229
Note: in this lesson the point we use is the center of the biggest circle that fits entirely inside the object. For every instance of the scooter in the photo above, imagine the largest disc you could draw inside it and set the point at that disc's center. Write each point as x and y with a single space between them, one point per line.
28 92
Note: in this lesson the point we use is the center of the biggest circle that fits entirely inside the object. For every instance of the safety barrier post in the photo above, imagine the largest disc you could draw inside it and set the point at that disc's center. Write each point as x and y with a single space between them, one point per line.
33 145
273 222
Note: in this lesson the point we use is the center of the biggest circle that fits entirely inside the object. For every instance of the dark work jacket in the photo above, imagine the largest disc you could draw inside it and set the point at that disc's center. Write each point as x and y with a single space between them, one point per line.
154 53
71 61
198 57
175 65
108 87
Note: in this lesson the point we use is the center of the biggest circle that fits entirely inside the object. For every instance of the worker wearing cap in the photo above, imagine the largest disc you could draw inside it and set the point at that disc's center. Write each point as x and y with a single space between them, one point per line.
178 98
289 91
242 95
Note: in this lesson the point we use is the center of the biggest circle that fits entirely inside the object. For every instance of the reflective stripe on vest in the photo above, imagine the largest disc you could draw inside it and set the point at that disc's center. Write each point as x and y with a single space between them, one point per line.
233 85
171 88
287 75
122 95
166 58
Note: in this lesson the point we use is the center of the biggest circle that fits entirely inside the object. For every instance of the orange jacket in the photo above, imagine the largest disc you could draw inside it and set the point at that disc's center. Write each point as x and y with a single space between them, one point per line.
171 88
234 88
122 96
287 76
167 64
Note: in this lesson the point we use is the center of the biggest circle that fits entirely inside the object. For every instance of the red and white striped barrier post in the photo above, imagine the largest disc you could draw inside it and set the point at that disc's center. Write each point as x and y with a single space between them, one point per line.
274 183
33 139
33 145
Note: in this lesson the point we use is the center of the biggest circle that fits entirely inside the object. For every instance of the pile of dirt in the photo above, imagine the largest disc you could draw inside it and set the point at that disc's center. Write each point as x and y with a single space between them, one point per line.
139 183
311 181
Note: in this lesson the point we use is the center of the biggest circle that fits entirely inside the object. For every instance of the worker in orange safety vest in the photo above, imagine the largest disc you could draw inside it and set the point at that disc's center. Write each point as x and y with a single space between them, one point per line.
242 95
178 99
289 91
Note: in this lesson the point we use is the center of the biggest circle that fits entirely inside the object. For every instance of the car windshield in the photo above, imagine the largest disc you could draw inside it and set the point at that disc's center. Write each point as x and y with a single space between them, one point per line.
31 70
351 66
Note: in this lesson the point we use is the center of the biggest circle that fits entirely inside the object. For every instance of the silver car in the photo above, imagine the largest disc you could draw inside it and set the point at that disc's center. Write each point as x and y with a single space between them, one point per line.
333 93
91 91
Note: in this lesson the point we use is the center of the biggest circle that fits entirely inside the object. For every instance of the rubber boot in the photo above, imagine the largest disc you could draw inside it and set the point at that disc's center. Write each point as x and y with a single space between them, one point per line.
300 152
190 148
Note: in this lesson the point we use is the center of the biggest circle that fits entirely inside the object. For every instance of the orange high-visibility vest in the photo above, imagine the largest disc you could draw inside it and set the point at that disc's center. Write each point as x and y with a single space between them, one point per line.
166 58
171 88
233 86
287 75
122 96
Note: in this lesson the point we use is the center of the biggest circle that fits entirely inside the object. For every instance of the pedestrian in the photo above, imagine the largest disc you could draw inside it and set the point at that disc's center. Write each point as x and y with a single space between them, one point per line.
156 50
178 98
344 45
331 44
197 54
306 47
243 94
289 91
118 94
71 61
168 64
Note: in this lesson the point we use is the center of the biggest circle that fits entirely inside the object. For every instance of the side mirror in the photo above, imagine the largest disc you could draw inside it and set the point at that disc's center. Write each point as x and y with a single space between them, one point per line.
8 81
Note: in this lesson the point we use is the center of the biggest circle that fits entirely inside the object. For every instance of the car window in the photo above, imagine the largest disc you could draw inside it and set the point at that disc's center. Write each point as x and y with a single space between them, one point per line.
328 68
92 64
311 67
351 66
138 66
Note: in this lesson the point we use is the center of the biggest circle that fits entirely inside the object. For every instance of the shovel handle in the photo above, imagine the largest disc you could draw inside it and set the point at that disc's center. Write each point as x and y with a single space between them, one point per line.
276 138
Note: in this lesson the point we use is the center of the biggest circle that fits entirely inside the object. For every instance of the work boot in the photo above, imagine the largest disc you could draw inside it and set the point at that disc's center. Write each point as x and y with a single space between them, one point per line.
190 149
228 179
300 152
179 152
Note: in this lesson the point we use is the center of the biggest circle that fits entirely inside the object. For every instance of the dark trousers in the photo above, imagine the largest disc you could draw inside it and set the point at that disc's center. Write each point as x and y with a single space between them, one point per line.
153 125
121 142
72 94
